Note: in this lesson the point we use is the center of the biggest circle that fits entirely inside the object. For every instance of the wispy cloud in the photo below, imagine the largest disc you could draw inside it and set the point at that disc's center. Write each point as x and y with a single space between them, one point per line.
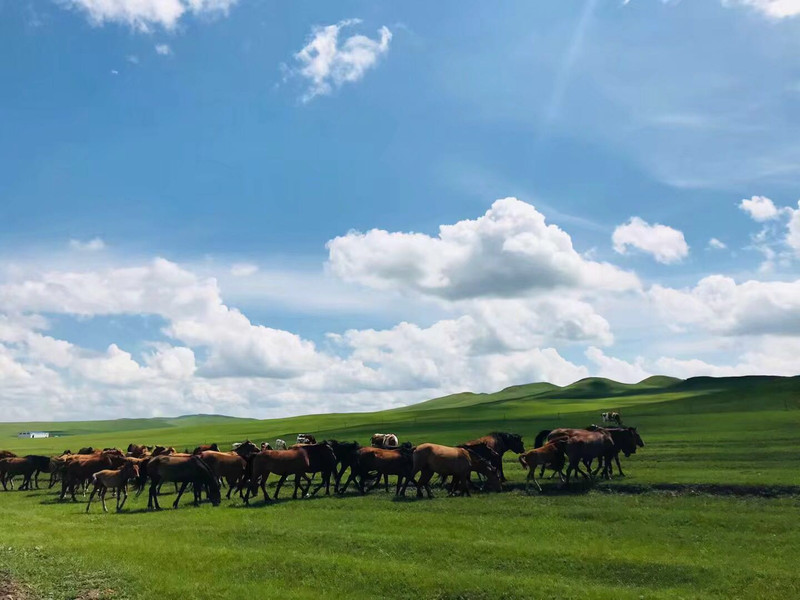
327 65
92 245
163 49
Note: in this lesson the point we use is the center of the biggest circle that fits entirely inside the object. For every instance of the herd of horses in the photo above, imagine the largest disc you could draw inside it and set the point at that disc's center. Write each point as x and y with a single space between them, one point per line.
248 467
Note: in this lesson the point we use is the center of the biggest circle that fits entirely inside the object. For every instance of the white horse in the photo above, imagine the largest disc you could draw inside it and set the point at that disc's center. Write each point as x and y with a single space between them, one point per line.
385 440
611 417
280 444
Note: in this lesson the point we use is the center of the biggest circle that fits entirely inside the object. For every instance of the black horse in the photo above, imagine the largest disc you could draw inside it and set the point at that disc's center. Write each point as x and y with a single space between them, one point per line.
183 470
346 458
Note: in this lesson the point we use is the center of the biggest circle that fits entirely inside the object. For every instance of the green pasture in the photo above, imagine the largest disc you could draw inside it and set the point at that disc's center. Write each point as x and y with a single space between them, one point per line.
709 508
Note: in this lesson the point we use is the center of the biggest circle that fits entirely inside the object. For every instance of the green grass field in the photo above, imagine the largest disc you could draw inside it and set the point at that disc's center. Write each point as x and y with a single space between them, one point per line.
709 508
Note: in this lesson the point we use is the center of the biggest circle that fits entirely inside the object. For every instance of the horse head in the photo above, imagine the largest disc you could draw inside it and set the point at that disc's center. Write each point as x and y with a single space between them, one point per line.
636 436
513 442
246 448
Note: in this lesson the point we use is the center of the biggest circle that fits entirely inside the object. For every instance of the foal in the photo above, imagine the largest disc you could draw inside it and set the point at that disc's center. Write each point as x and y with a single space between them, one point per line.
114 479
550 455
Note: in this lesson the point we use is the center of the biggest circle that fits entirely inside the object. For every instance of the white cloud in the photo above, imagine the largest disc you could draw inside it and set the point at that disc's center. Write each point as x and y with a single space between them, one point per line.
92 245
793 232
665 244
194 309
776 9
617 369
721 306
143 15
508 252
716 244
327 65
163 49
243 269
760 208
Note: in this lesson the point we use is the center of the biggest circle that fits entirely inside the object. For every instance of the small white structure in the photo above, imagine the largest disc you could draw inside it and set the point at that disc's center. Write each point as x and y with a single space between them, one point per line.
33 434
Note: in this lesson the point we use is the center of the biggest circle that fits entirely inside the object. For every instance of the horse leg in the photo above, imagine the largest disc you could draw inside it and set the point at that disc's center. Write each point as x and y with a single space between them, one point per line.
264 487
180 493
532 474
124 493
425 480
88 504
278 487
103 498
621 474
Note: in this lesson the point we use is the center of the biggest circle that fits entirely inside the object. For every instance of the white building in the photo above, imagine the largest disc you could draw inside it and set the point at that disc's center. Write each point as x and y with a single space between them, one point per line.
33 434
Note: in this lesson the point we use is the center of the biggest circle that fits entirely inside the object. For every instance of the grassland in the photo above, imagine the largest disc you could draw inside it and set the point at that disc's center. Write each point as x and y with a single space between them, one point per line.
709 508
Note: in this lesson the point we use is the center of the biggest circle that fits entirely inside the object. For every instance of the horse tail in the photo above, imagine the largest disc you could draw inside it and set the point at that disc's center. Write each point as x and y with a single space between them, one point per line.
210 480
522 461
540 437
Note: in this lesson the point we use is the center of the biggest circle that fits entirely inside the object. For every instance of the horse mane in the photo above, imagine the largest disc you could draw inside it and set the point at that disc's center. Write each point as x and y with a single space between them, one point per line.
540 437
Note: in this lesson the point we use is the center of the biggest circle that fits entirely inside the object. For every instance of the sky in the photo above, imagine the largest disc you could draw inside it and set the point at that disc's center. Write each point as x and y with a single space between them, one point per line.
263 209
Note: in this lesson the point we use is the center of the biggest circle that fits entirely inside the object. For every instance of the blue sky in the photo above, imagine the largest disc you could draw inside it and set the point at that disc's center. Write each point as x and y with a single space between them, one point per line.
204 155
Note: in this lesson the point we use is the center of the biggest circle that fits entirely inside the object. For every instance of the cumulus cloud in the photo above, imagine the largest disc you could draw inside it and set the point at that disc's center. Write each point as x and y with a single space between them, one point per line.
760 208
327 64
616 368
720 305
193 308
665 244
143 15
793 231
508 252
92 245
163 49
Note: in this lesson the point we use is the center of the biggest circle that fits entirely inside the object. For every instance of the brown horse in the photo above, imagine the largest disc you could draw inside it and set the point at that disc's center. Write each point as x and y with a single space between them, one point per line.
582 446
80 469
445 460
183 470
7 454
114 479
383 461
204 447
281 462
626 440
138 451
228 466
550 455
500 442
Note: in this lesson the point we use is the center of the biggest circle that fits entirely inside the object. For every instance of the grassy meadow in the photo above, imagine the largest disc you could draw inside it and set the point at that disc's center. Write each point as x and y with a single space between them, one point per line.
709 508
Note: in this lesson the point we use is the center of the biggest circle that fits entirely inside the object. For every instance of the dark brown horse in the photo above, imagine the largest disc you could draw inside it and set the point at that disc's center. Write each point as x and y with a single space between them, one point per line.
138 451
626 440
583 446
384 462
13 466
205 447
346 458
42 465
499 442
183 470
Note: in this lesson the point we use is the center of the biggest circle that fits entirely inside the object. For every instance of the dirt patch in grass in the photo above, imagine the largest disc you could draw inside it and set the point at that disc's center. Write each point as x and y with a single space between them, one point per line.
11 590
